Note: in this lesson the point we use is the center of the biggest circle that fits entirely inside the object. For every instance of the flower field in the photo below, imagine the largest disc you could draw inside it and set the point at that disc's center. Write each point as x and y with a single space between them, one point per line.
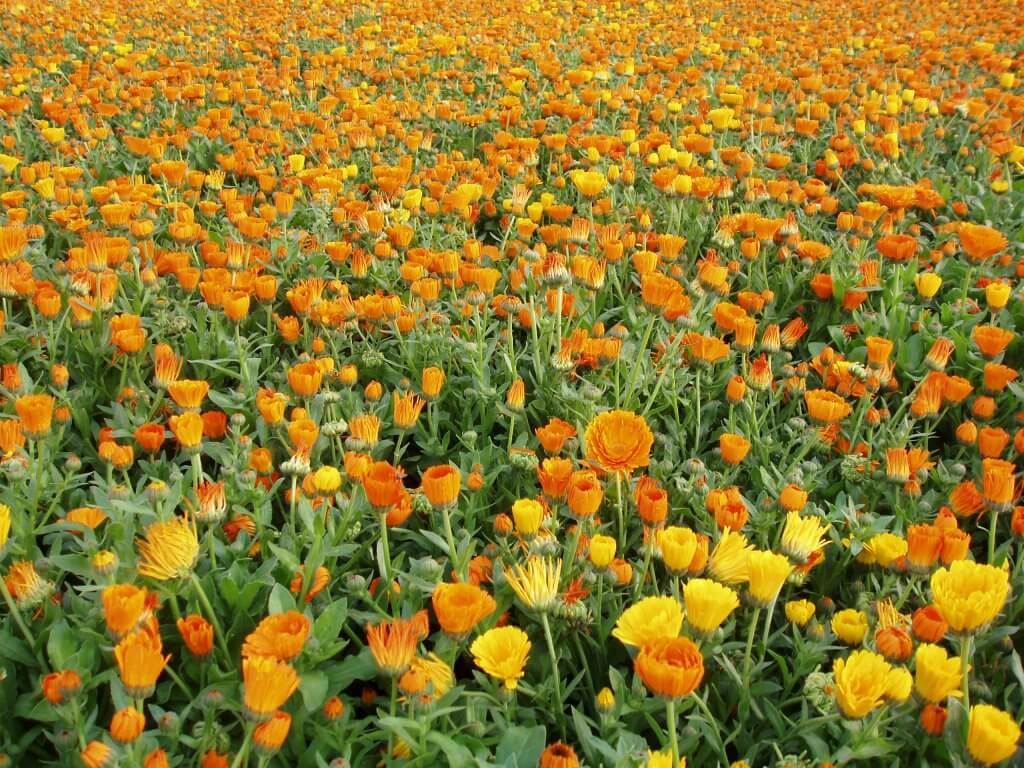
511 384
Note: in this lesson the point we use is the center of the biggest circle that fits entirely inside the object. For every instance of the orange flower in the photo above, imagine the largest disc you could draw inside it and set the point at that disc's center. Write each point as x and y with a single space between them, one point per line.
97 755
991 339
269 683
58 686
554 475
619 441
187 429
826 407
305 378
382 485
393 644
150 437
981 242
997 483
125 606
670 666
460 607
553 435
734 448
406 409
270 735
127 725
441 485
431 382
585 494
280 635
35 413
197 633
188 394
140 660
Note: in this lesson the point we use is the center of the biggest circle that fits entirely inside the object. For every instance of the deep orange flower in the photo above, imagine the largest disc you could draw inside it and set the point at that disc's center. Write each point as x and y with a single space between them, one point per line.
619 441
382 485
197 633
35 413
305 378
553 435
980 242
393 644
670 666
826 407
460 607
280 635
441 485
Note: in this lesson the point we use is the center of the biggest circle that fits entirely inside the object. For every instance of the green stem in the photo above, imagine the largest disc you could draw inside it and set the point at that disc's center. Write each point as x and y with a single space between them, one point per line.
622 512
450 538
20 621
965 674
751 631
385 573
640 352
673 739
242 758
554 661
208 607
992 521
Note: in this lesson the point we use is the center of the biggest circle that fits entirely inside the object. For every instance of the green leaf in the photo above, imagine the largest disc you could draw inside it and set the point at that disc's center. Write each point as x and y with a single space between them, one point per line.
329 623
456 754
523 745
313 689
281 600
61 644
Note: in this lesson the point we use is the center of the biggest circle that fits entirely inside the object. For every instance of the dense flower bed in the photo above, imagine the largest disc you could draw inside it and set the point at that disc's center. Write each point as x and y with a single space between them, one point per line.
502 384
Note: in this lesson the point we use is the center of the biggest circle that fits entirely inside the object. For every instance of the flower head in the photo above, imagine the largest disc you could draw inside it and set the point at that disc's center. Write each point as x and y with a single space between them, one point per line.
269 683
536 585
969 595
670 666
502 653
708 604
169 549
650 618
280 635
619 441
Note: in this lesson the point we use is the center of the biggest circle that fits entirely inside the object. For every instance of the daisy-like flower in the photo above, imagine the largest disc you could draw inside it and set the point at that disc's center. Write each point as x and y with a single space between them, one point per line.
802 537
536 586
169 550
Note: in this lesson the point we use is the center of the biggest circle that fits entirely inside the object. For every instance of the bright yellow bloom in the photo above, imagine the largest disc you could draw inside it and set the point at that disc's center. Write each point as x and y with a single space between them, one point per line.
678 546
768 571
729 559
936 675
992 735
536 586
862 682
803 536
502 653
883 549
651 618
969 595
850 626
708 604
169 550
799 611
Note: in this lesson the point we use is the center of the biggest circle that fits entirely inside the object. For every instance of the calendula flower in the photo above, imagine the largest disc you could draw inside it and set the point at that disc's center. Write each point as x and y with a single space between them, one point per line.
502 653
527 514
802 536
729 560
124 607
127 725
558 755
97 755
460 607
936 674
969 595
708 604
169 550
140 660
619 441
536 585
197 634
670 666
269 735
269 683
678 547
280 635
767 572
393 644
26 585
650 618
799 611
992 734
36 414
863 683
441 485
850 626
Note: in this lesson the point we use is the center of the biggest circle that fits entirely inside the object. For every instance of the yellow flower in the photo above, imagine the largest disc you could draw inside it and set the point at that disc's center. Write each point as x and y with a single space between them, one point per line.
5 526
802 536
602 551
651 618
969 595
883 549
436 672
799 611
708 604
678 546
898 684
502 653
663 760
862 683
850 626
536 586
169 550
936 675
768 572
992 735
527 515
729 559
